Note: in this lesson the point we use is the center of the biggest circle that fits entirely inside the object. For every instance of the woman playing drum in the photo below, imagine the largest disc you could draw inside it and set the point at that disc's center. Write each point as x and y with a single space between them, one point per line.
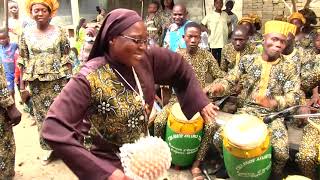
114 91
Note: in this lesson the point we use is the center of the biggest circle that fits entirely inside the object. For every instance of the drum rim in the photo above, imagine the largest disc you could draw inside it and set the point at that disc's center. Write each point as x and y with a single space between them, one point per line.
194 118
247 153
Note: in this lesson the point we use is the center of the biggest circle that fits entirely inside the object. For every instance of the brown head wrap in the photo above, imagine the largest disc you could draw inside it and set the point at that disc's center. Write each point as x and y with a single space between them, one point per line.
115 23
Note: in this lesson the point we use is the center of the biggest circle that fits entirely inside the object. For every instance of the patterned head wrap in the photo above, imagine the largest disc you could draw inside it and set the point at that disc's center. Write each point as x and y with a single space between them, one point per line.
247 19
53 5
297 15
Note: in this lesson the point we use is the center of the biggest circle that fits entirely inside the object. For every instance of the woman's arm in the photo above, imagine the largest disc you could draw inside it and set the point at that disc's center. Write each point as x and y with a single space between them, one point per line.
60 130
171 69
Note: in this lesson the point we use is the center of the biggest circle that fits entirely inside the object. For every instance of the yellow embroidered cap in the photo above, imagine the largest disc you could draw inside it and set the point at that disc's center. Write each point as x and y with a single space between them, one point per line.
246 19
280 27
52 4
297 15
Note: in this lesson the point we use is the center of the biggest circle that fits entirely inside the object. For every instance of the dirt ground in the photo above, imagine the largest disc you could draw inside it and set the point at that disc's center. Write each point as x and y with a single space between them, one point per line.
29 154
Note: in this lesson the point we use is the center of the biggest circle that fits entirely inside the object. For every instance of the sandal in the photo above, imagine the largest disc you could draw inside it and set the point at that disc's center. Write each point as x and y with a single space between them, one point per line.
197 173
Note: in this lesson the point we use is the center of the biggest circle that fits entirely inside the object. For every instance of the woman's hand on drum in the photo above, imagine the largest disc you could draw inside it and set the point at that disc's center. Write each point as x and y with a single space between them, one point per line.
118 175
266 101
209 112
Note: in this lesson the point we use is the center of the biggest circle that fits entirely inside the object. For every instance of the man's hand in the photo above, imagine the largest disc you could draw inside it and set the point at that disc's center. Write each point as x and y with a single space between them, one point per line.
266 101
208 113
303 110
215 89
118 175
14 115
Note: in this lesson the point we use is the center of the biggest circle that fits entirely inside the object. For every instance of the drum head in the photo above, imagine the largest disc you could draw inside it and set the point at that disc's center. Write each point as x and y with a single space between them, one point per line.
178 114
296 177
246 131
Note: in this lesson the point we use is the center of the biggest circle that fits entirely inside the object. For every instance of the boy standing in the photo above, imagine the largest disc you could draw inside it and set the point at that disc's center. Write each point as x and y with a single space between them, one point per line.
7 51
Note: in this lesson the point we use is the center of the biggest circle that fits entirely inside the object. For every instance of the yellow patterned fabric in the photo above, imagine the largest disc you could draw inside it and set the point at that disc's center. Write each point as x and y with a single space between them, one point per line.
279 27
265 76
247 19
7 144
229 56
256 19
154 28
5 97
52 4
308 155
297 15
117 115
44 57
203 63
310 70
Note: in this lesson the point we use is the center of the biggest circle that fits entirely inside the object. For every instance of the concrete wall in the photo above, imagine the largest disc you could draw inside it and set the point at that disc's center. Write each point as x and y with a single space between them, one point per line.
268 9
1 14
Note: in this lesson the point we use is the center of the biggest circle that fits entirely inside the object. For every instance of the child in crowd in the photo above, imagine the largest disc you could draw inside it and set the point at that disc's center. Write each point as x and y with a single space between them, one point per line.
7 53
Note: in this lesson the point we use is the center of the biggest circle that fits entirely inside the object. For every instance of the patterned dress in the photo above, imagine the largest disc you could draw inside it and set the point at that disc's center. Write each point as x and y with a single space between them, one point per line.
310 70
278 80
203 63
7 144
112 101
46 63
154 28
307 41
165 17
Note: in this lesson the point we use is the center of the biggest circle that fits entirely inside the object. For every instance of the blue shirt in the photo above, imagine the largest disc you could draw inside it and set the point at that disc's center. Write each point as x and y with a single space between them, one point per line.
174 37
7 56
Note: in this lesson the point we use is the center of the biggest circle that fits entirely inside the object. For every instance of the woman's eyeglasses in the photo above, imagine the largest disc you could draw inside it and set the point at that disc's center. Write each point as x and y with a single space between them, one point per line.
135 40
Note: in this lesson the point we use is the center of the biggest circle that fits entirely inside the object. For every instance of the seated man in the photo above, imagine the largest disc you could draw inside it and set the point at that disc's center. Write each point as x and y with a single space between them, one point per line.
203 62
272 85
231 55
249 22
239 46
307 158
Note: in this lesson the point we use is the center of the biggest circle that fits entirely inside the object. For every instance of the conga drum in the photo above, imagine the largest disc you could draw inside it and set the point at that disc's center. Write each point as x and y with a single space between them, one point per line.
247 148
183 136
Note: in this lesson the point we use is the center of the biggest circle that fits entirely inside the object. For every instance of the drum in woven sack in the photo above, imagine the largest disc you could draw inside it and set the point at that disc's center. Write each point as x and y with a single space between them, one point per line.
246 148
183 136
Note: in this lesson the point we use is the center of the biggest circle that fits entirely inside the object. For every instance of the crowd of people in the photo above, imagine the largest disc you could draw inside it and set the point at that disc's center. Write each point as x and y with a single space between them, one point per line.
90 99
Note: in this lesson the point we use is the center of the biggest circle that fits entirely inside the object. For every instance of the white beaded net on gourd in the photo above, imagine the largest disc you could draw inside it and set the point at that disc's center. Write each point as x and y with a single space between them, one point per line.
148 158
